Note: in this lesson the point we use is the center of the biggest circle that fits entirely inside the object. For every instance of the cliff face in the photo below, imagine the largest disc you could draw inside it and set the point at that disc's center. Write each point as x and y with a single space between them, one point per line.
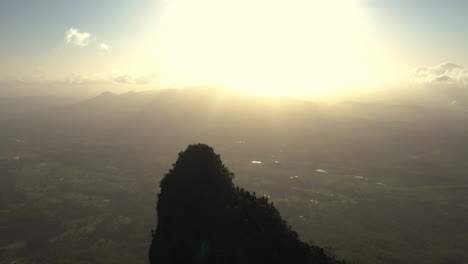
204 218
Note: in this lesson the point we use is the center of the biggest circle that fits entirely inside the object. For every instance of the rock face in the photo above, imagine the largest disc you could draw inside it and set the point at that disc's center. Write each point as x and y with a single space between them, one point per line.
204 218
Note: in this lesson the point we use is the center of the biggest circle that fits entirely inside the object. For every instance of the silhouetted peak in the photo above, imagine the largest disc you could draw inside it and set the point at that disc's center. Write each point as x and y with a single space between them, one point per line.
198 157
203 218
198 152
199 165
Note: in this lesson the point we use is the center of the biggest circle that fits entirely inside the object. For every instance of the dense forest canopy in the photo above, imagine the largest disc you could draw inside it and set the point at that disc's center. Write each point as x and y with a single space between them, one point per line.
203 218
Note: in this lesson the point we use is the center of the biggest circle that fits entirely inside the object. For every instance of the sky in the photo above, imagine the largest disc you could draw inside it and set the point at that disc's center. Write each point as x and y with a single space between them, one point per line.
295 47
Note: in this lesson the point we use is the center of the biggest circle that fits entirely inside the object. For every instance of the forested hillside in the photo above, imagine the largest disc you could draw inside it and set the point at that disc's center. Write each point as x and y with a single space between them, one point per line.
78 180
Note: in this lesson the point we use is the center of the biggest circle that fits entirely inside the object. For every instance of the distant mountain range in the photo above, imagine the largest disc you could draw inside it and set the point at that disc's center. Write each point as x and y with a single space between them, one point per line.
173 116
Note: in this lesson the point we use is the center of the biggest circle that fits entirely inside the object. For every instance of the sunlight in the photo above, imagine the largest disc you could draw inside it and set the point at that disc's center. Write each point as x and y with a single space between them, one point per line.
266 47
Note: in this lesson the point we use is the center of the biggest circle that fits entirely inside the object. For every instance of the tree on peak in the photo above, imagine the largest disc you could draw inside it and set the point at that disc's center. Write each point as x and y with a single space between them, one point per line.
204 218
198 163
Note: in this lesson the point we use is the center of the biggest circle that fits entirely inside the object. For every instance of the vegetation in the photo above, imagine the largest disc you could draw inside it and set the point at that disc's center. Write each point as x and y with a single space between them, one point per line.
78 183
202 218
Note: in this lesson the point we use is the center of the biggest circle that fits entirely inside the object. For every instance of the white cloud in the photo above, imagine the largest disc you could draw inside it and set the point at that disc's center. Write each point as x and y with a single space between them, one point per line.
442 73
124 79
104 47
142 80
75 37
147 79
446 83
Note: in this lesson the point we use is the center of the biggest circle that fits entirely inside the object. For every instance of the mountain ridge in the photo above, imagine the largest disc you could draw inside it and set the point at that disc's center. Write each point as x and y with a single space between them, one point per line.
204 218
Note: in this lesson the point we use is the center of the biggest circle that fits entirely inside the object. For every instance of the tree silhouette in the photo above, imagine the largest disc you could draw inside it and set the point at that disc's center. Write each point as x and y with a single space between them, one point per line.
204 218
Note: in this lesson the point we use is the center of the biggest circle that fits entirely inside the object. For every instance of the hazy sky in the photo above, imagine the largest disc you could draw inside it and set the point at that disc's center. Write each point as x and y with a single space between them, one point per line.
274 47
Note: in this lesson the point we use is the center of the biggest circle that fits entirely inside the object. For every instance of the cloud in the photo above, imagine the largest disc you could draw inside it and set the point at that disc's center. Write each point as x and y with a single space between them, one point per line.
74 85
143 79
443 78
446 82
73 36
149 78
104 47
123 79
442 73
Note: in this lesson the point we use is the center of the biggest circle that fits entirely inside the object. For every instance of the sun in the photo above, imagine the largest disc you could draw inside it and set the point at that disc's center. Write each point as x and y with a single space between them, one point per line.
264 46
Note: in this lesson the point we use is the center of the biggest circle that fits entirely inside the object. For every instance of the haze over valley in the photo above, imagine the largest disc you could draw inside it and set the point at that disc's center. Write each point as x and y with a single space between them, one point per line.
343 121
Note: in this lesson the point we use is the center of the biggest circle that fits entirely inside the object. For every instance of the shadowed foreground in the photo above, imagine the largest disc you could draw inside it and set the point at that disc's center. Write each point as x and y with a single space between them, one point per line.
204 218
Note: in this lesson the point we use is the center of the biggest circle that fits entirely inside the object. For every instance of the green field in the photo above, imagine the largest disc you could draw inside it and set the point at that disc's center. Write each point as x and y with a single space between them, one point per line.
75 201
